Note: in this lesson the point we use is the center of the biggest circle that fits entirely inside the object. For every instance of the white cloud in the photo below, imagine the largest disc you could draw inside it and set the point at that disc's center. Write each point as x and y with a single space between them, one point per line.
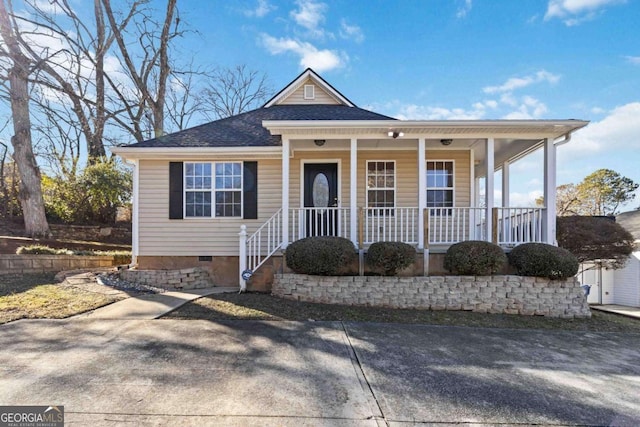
529 108
521 82
424 112
574 12
262 9
524 200
464 9
351 32
310 56
310 15
635 60
619 129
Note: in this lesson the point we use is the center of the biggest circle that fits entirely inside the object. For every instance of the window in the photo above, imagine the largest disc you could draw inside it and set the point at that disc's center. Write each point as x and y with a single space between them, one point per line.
381 186
440 186
309 92
213 189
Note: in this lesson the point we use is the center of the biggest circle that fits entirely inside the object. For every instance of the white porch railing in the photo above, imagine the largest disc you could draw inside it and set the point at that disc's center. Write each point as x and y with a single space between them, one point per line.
390 224
444 226
452 225
308 222
519 225
263 242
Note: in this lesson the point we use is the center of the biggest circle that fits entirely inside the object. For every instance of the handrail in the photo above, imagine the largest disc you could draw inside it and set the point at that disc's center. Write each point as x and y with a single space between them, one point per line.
258 248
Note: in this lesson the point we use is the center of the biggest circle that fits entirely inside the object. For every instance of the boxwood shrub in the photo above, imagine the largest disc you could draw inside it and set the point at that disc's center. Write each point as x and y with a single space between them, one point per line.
321 256
390 257
474 257
542 260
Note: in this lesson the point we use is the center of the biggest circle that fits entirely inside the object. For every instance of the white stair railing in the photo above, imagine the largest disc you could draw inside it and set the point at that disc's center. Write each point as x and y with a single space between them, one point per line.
258 248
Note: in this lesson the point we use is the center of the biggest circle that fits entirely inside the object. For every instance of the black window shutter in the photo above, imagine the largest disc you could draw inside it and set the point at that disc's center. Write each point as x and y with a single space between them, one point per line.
175 190
250 189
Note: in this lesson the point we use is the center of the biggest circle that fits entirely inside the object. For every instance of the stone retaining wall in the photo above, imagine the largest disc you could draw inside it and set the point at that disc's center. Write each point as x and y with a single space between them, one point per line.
21 264
91 233
494 294
186 278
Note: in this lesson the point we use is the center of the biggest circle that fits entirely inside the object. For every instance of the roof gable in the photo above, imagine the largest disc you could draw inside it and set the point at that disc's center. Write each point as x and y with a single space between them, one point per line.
309 83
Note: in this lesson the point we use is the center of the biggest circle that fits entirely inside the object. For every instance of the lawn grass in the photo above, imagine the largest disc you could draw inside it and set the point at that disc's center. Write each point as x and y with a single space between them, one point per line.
35 296
256 306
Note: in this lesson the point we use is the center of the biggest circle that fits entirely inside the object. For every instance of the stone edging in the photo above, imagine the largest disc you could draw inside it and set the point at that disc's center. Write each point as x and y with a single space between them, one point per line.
491 294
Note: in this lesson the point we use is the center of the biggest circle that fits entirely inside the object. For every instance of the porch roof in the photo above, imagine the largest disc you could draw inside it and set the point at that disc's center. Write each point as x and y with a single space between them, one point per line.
516 129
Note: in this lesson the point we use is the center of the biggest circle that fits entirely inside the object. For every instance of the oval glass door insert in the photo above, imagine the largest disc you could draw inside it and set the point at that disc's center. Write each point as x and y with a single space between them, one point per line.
320 191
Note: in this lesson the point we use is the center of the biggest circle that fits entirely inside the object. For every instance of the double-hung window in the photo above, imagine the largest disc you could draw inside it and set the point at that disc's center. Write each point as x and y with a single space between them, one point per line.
440 186
381 187
213 190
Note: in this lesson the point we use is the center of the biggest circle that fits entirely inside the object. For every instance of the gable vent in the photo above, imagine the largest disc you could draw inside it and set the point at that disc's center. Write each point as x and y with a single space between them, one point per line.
309 92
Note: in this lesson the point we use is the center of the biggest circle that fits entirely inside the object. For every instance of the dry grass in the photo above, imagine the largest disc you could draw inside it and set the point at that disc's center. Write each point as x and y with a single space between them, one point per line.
36 297
255 306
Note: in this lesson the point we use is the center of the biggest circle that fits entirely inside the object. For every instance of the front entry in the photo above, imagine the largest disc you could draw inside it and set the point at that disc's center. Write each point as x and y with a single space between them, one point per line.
321 199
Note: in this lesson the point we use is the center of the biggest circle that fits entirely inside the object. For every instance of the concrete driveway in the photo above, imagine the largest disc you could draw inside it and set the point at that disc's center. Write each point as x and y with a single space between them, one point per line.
243 373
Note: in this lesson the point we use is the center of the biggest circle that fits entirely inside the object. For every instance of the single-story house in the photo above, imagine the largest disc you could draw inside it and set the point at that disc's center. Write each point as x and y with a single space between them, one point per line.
230 195
620 286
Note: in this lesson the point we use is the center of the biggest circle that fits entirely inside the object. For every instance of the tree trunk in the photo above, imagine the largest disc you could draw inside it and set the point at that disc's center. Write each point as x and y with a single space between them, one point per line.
35 221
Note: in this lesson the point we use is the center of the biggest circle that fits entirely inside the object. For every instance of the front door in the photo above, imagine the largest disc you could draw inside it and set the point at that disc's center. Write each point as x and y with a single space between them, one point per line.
320 196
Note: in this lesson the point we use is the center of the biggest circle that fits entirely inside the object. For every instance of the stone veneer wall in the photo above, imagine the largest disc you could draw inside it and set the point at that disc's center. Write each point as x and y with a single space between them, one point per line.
494 294
186 278
21 264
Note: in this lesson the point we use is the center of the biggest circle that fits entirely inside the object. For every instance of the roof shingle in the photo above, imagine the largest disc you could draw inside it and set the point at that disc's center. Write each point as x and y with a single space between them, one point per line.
245 130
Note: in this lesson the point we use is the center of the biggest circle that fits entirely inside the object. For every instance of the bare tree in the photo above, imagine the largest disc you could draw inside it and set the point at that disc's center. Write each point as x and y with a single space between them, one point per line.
233 91
149 76
20 66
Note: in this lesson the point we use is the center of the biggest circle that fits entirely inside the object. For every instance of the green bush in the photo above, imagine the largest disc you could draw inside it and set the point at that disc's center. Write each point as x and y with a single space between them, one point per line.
321 256
474 257
92 197
542 260
390 257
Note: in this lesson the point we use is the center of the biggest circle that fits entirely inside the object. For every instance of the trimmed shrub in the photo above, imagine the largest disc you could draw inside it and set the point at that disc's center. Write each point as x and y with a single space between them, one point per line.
321 256
475 258
390 257
542 260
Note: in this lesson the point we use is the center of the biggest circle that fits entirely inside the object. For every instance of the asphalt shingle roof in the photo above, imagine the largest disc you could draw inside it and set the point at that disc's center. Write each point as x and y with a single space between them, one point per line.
245 130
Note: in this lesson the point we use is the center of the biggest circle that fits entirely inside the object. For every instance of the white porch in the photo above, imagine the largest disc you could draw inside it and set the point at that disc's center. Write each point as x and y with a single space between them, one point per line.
491 145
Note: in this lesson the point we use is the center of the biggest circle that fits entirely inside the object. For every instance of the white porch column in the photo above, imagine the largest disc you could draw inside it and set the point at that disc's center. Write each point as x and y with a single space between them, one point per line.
505 184
489 185
135 214
550 191
422 190
353 192
285 192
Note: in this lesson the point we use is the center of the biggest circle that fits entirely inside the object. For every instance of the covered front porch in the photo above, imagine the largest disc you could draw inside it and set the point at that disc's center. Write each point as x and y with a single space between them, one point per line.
422 183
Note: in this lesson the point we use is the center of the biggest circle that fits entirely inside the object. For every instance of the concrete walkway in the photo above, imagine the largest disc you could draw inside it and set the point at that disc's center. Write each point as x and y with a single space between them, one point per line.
619 309
151 306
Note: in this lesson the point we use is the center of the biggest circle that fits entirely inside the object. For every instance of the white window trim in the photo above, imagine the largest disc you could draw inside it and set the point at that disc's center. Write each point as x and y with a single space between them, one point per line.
313 92
395 183
212 190
452 188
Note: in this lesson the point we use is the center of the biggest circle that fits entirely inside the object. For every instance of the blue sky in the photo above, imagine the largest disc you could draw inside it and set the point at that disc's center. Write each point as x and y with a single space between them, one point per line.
454 59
